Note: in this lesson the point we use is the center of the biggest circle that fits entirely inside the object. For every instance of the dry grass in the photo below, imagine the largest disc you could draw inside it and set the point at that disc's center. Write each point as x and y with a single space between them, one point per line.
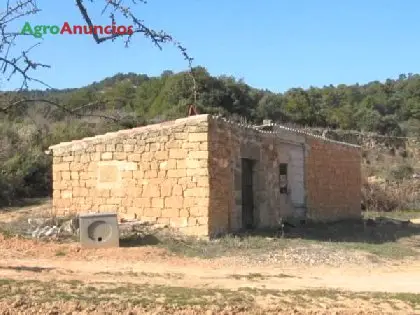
381 241
389 185
382 197
399 215
384 241
122 297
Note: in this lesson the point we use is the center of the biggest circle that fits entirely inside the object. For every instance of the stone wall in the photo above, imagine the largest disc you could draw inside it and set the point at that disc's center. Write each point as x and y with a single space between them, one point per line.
157 173
228 144
333 180
187 173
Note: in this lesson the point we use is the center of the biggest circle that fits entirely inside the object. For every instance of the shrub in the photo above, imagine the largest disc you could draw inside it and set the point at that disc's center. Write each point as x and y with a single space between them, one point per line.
400 172
376 198
25 175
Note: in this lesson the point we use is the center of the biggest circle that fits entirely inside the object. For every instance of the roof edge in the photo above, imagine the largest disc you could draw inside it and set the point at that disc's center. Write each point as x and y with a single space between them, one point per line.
297 131
135 130
191 119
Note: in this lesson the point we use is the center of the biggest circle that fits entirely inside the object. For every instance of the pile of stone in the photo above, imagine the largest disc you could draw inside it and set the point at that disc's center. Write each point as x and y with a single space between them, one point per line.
68 228
52 228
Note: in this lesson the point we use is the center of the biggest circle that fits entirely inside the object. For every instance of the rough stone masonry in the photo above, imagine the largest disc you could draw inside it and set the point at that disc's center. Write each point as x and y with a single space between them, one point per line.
186 173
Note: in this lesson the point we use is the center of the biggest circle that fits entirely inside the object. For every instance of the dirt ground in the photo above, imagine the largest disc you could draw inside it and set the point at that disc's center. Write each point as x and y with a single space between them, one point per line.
51 278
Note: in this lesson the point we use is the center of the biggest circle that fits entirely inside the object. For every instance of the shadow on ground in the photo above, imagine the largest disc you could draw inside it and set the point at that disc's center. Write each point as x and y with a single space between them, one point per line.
137 240
364 231
354 231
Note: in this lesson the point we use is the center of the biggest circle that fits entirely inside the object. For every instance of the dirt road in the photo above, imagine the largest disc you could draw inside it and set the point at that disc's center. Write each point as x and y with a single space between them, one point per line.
214 274
52 278
27 260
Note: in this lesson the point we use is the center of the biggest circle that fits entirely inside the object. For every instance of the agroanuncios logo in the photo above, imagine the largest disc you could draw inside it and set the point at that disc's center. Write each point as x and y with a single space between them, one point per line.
39 30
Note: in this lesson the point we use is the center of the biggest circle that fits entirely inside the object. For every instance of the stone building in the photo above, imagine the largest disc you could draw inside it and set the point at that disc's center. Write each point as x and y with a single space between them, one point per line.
206 176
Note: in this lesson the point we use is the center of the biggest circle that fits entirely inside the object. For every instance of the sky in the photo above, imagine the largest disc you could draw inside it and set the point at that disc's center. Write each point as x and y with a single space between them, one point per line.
271 44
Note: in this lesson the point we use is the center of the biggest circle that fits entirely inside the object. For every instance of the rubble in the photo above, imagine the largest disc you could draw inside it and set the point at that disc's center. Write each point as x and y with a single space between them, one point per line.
52 227
46 231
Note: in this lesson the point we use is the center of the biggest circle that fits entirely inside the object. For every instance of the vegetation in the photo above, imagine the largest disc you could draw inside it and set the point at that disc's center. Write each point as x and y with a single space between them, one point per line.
315 241
34 120
398 215
391 108
120 297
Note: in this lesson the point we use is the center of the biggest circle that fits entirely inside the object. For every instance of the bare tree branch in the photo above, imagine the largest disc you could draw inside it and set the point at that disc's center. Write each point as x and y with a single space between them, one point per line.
158 38
15 104
22 65
22 8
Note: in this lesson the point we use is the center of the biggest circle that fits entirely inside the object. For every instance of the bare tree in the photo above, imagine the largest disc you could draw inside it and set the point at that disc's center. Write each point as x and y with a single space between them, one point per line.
11 64
22 65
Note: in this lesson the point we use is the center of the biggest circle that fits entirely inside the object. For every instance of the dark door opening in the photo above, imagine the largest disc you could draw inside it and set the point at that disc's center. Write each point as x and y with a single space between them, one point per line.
247 194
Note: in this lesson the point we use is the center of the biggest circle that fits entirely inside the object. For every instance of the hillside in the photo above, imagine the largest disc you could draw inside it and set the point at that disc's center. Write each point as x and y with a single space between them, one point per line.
389 108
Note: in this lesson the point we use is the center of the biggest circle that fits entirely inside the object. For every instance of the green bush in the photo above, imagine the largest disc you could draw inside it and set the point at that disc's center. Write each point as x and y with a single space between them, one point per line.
25 175
400 172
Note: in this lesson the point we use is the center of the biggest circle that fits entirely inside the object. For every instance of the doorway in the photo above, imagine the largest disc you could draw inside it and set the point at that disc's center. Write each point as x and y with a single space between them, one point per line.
247 194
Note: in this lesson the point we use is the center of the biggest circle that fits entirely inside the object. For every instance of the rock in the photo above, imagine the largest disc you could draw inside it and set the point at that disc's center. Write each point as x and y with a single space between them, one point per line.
39 221
41 232
45 231
35 233
52 231
67 227
40 229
